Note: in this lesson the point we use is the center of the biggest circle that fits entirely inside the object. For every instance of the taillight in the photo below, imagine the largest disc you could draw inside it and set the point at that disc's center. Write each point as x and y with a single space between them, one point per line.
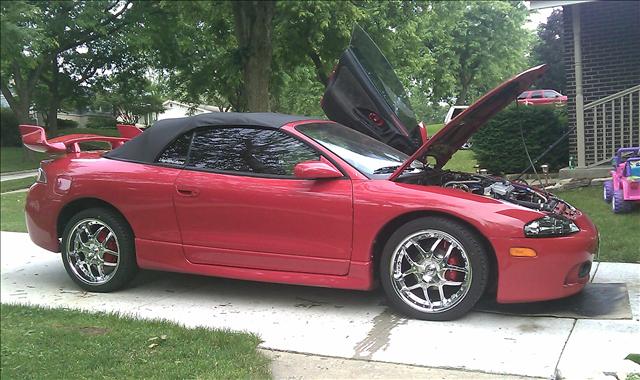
42 176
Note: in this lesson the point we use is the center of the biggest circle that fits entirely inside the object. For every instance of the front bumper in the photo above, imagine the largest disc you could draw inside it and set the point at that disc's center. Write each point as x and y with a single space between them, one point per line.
560 269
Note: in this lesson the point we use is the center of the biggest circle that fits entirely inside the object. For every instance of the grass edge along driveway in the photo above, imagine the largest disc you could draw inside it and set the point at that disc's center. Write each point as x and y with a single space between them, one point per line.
41 343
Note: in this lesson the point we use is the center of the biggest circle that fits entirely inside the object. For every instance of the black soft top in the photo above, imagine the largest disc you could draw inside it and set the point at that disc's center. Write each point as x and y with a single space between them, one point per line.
146 147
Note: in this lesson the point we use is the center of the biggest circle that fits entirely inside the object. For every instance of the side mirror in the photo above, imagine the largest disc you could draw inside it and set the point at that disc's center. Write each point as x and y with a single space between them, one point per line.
321 169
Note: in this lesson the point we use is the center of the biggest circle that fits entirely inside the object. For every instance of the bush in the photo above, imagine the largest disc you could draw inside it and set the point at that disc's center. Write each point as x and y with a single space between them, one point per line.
498 145
101 122
65 124
9 133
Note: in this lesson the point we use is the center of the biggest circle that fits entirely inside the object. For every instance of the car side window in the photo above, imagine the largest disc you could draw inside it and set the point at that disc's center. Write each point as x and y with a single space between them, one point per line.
176 152
523 95
550 94
248 150
536 95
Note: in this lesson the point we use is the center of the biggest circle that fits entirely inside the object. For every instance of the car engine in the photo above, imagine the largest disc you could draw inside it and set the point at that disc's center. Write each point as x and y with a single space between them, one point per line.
517 192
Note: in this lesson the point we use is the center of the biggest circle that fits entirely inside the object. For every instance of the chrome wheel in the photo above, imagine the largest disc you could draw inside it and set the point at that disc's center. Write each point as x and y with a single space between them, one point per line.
430 271
93 251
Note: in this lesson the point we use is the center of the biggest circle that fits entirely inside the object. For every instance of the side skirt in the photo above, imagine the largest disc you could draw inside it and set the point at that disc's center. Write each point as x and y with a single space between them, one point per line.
170 257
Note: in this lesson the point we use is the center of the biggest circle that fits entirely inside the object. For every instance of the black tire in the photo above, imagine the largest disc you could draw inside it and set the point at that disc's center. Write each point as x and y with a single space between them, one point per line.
127 266
607 191
478 260
618 204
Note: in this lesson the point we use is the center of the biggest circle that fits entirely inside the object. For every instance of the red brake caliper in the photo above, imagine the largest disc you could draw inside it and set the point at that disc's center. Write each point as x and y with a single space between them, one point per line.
110 245
452 275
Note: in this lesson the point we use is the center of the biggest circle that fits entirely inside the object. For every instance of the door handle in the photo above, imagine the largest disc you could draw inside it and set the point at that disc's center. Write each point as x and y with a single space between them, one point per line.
187 191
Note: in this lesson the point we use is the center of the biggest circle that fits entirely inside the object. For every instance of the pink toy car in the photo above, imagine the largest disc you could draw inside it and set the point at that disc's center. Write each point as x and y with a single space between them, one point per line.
623 190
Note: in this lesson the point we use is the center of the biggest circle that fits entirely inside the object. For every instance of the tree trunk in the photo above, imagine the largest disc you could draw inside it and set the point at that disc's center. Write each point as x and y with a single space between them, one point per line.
317 62
19 106
253 27
54 99
461 99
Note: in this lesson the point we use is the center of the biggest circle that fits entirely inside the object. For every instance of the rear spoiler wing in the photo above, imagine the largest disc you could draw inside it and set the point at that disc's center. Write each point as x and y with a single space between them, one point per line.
34 138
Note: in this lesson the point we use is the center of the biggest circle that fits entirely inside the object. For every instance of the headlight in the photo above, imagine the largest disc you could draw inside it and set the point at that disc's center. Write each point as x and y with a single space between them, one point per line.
549 226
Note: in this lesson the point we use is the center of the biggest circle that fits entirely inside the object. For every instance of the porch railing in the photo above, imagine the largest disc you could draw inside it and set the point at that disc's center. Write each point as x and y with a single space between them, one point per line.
614 124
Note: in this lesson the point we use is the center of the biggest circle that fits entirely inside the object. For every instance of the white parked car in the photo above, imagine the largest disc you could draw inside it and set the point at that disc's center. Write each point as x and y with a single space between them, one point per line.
453 112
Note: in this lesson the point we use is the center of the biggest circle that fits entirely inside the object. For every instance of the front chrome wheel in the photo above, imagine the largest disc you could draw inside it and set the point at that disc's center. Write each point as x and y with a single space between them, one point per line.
92 251
430 271
434 268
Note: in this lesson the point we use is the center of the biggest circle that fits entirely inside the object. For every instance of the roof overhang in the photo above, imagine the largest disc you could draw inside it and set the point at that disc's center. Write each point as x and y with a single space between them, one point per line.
541 4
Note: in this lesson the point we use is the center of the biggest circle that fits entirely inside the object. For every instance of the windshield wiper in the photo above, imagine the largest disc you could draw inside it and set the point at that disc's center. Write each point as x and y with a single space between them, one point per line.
386 169
391 169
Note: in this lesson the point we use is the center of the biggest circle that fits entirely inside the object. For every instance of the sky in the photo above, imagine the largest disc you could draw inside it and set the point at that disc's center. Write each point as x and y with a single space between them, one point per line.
538 16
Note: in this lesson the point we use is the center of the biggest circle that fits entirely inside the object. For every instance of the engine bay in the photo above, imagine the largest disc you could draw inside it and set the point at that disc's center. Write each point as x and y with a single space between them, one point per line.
517 192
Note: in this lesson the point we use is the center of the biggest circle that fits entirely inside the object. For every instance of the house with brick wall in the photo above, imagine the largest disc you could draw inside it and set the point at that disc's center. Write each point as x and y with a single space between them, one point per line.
602 66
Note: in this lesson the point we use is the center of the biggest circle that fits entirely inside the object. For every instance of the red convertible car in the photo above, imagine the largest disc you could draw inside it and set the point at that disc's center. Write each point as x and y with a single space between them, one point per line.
278 198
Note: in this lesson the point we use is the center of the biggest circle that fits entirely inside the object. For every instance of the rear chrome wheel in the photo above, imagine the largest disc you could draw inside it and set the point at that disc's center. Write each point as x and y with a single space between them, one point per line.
92 251
431 271
434 268
98 250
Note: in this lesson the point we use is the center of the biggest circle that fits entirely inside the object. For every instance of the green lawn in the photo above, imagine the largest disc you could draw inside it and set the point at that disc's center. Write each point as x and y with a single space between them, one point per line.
619 237
16 184
20 158
433 128
12 212
95 131
13 159
63 344
618 233
462 160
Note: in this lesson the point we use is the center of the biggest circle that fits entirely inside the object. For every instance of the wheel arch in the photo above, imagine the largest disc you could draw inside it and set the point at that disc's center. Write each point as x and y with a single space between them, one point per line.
77 205
385 233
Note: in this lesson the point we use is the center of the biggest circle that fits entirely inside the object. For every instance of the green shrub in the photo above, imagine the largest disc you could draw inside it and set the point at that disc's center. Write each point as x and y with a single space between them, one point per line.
64 124
9 133
498 145
101 122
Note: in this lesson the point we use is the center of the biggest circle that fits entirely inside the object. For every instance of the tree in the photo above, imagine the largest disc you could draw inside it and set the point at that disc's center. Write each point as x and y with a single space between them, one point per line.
253 29
476 45
549 49
313 34
37 35
193 46
281 53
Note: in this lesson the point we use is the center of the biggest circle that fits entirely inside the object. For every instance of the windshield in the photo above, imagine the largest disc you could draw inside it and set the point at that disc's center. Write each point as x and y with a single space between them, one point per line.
369 156
383 76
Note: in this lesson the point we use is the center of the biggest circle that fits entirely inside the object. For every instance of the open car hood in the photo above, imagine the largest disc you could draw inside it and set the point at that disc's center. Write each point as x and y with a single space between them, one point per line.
458 131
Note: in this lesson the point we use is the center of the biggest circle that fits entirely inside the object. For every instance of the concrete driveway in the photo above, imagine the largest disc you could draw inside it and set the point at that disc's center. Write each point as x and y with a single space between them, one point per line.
345 324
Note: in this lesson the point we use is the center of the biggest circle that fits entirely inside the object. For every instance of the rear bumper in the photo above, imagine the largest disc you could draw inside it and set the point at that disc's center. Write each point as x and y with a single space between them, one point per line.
560 269
41 213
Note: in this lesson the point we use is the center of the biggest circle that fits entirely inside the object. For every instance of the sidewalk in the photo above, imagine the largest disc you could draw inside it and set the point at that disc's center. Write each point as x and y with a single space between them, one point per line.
345 324
18 175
